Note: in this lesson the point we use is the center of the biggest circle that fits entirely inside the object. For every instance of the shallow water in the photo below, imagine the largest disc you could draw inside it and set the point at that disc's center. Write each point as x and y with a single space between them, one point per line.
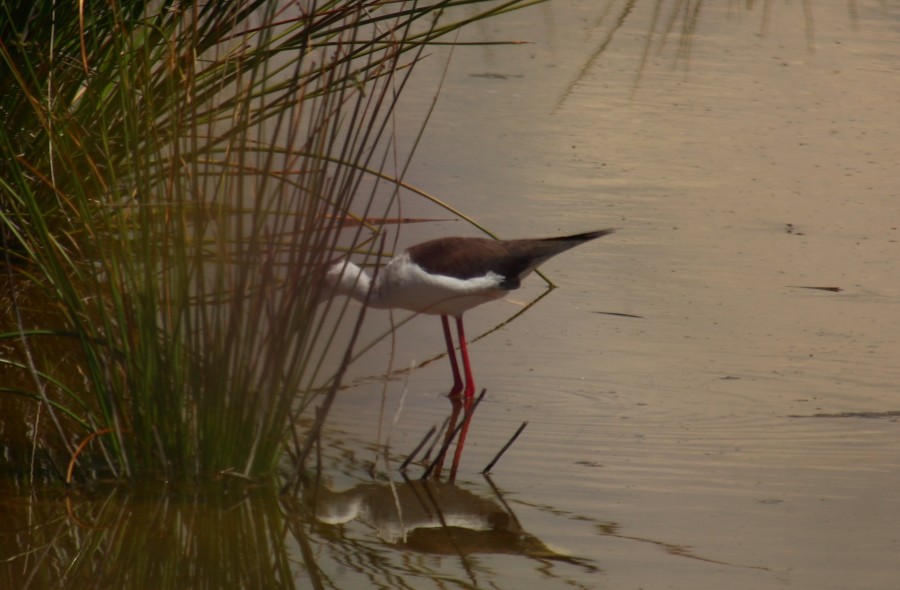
741 432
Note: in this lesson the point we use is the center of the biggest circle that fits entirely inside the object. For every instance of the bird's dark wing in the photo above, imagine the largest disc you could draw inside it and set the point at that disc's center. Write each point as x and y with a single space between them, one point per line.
466 258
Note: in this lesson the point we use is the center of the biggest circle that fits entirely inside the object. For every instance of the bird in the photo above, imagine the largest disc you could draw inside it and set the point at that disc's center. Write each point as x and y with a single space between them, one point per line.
449 276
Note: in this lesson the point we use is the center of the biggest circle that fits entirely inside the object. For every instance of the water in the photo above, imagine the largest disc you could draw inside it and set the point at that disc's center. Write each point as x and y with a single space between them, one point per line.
741 432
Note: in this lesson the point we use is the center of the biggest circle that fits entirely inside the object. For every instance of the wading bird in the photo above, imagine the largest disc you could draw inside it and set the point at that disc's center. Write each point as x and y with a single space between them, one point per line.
449 276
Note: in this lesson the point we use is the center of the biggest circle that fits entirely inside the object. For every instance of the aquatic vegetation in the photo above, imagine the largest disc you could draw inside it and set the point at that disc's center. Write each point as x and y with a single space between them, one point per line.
174 176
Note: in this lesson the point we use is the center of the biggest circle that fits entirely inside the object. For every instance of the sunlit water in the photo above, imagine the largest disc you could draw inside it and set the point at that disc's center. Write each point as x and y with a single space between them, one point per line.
739 432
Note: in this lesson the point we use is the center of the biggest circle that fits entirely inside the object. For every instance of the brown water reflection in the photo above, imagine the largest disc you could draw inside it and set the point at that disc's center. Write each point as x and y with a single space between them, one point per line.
116 537
231 535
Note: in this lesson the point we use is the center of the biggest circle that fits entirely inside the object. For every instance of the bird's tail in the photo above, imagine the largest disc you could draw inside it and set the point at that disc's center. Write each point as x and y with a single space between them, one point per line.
550 247
581 238
554 246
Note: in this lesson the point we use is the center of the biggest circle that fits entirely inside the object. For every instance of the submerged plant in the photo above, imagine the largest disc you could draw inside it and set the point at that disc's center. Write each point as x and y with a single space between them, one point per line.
173 175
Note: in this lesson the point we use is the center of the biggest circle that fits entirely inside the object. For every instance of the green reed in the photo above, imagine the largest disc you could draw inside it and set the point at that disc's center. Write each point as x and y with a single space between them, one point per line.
174 176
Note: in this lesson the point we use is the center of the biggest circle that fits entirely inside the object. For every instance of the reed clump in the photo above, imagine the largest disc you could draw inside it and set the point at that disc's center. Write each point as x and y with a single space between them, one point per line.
172 177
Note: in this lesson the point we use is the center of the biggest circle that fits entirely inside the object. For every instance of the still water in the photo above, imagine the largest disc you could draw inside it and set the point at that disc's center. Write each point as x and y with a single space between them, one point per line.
711 391
742 432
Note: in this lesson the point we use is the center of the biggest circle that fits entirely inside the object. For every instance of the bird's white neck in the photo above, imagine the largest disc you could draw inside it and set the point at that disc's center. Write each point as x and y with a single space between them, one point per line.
349 279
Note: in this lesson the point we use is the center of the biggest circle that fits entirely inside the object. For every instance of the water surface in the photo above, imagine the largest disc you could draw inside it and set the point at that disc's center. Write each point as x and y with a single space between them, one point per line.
742 432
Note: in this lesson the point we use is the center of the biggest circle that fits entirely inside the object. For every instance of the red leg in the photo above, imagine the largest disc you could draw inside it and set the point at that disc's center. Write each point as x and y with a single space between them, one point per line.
451 353
464 352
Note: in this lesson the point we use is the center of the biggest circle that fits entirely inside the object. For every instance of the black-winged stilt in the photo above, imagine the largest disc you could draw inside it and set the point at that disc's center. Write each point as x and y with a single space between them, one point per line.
448 276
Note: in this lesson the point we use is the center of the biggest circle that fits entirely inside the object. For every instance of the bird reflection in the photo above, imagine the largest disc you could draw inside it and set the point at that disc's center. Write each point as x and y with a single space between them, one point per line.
455 429
435 517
